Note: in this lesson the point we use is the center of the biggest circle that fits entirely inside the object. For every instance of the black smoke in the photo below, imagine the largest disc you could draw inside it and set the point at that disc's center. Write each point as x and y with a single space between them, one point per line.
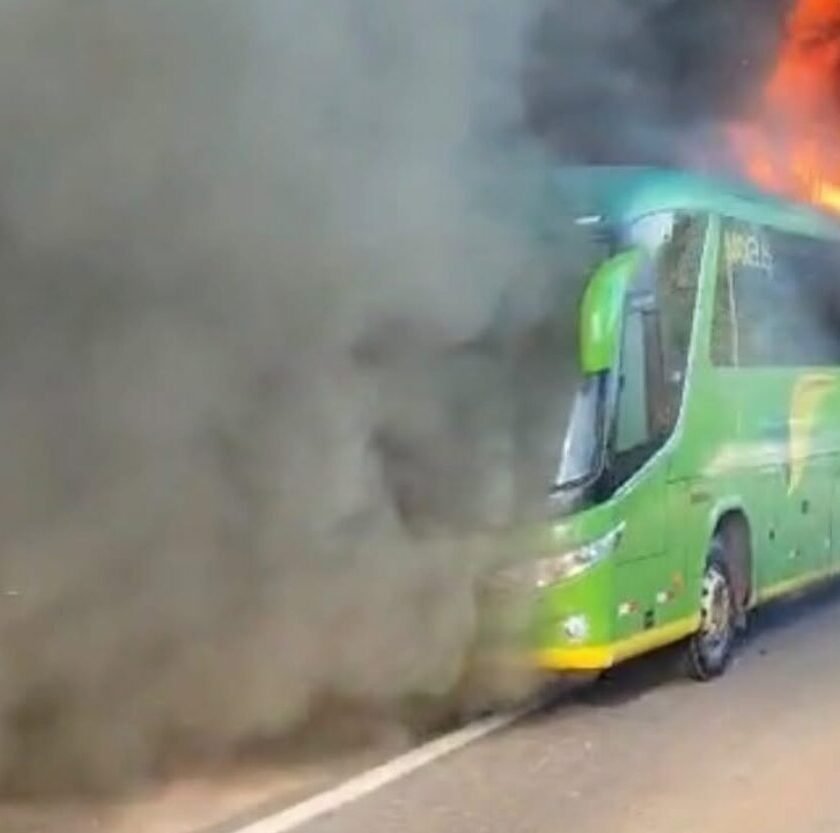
648 82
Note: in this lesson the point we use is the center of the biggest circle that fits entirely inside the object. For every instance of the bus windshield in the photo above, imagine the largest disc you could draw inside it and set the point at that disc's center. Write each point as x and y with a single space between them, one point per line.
583 444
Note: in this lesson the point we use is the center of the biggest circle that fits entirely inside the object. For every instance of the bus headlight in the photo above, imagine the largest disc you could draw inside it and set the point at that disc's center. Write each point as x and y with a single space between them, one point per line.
558 568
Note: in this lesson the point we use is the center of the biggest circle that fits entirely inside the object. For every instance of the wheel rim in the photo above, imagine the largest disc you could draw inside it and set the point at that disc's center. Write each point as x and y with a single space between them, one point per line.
716 614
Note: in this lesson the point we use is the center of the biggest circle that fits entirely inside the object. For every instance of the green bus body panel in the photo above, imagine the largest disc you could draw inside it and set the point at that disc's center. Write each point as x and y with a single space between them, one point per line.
763 442
601 311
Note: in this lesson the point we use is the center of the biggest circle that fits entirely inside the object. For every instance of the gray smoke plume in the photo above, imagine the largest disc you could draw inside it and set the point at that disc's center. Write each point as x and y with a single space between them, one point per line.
279 354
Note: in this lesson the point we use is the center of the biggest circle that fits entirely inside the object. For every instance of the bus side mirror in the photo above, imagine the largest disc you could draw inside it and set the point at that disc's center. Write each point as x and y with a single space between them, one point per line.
602 312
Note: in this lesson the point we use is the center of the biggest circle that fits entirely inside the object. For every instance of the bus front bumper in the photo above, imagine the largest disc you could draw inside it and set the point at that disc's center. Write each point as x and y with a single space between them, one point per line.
601 657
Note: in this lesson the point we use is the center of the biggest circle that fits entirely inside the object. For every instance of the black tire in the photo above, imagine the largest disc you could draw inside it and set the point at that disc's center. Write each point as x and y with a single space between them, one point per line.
710 649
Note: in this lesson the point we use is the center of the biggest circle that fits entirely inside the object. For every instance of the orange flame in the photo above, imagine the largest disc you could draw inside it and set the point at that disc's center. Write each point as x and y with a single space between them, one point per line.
792 146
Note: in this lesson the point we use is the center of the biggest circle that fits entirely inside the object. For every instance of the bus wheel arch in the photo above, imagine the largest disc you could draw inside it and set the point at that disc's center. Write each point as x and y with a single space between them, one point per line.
725 595
733 529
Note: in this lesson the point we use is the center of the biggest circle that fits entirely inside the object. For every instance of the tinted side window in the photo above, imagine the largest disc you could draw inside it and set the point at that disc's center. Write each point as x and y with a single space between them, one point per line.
809 271
777 299
677 271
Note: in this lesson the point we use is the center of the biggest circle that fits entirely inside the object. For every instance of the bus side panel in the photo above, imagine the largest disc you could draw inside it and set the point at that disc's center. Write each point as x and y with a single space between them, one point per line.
806 518
759 465
689 504
762 499
788 430
731 459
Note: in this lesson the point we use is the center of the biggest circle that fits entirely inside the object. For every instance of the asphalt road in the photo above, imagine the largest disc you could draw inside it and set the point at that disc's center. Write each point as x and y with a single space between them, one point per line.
646 751
642 751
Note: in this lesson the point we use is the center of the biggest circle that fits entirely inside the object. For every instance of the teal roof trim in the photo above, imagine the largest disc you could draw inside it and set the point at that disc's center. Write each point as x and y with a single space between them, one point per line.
620 194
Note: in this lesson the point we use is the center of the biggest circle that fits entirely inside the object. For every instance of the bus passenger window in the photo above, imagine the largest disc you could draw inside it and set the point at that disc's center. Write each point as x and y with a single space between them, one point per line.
776 301
807 272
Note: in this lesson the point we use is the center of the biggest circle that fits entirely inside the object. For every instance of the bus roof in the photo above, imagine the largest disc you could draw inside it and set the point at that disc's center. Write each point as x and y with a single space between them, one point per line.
622 193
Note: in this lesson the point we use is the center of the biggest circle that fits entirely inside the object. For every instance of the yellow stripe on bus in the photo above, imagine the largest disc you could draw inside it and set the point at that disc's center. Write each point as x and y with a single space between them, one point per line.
594 657
790 585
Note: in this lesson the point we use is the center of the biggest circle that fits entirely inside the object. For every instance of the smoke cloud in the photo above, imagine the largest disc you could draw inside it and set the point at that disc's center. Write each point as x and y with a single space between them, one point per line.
279 357
650 82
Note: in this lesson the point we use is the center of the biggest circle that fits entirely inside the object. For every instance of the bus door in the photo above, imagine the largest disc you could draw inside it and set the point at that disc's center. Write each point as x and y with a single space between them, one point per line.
636 472
657 337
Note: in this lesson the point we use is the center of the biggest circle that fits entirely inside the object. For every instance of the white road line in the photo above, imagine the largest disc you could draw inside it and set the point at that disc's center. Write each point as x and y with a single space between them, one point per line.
374 779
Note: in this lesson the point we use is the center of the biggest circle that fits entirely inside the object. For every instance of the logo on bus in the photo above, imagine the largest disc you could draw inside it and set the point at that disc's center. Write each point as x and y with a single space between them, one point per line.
748 250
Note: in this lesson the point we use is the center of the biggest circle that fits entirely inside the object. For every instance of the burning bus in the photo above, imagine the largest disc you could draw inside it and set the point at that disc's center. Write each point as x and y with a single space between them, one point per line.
700 466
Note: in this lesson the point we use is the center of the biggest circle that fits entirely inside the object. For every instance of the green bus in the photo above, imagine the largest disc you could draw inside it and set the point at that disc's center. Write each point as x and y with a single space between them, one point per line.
700 470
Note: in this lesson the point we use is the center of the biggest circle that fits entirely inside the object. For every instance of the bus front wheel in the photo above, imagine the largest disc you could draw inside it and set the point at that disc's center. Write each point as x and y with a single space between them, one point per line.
710 649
